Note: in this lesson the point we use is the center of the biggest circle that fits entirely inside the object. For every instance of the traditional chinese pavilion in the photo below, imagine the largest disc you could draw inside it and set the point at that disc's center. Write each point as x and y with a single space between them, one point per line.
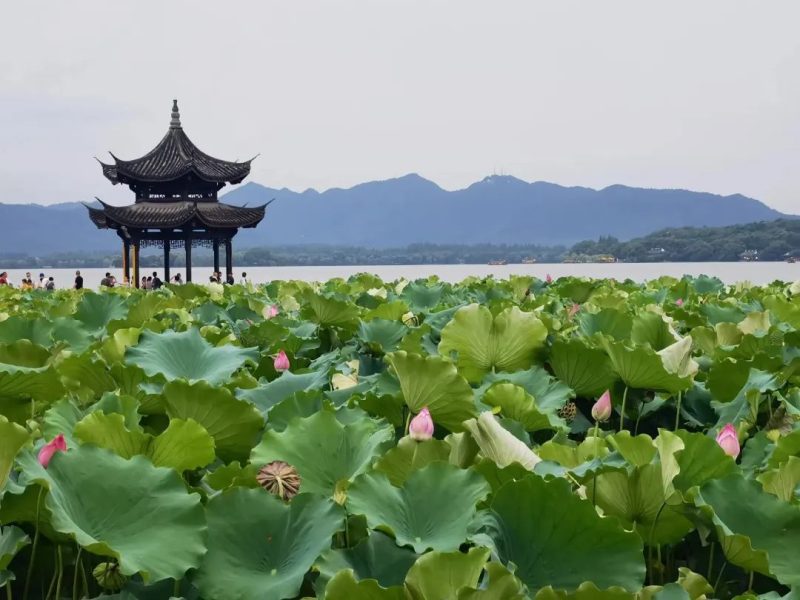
176 187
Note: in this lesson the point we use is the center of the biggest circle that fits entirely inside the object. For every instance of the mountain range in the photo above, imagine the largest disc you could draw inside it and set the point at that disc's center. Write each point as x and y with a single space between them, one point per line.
406 210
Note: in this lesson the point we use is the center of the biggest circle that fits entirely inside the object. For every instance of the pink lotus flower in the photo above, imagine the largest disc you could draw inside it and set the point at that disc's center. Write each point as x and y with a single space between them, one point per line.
421 426
548 278
57 444
281 362
679 302
271 311
601 411
573 310
728 440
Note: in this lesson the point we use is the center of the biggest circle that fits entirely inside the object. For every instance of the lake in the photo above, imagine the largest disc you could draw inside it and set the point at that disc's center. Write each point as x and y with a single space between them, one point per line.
729 272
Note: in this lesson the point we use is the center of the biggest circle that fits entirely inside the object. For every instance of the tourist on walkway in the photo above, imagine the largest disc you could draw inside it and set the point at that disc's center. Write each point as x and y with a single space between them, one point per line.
107 281
4 278
50 284
244 280
177 279
229 279
42 281
156 282
78 281
27 284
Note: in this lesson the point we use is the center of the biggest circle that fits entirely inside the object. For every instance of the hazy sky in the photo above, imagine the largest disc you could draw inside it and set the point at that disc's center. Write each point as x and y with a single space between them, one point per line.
700 95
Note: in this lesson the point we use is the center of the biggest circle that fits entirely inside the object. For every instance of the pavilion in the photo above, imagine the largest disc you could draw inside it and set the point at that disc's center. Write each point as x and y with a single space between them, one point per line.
176 187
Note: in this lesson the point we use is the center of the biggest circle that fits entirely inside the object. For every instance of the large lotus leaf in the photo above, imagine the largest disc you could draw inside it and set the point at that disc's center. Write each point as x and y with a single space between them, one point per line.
783 482
16 328
555 538
86 377
651 329
381 334
637 450
745 404
114 347
483 343
72 333
105 501
187 356
96 311
267 395
785 447
726 378
641 367
329 311
636 498
376 557
12 540
498 444
344 586
422 296
690 459
410 455
585 369
12 438
550 393
234 424
434 382
758 532
25 372
260 547
498 584
609 321
325 453
440 575
517 404
426 512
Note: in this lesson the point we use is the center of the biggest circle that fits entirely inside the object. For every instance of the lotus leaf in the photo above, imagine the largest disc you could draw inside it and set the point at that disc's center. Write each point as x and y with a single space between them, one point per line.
441 575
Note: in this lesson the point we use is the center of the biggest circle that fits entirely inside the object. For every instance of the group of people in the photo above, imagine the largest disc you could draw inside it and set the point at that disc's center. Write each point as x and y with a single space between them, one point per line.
44 282
216 277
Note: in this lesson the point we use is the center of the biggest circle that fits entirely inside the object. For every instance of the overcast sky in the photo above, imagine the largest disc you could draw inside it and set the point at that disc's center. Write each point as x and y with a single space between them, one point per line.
699 95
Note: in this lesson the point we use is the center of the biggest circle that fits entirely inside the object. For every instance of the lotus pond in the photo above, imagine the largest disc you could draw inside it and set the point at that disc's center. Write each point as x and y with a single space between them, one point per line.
233 443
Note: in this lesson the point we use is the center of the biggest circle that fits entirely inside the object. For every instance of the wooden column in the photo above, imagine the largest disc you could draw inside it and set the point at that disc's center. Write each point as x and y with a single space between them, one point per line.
215 245
136 263
228 257
126 260
188 244
166 261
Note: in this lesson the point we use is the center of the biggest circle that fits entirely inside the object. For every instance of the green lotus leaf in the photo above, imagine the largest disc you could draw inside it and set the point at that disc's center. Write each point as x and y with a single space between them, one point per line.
267 395
690 459
757 531
641 367
516 403
344 586
234 424
260 547
72 333
231 475
114 347
410 455
423 296
25 372
651 329
786 447
182 446
425 512
103 501
745 404
555 538
38 331
550 394
96 311
326 453
500 584
585 369
381 334
441 575
499 445
483 343
434 382
783 482
755 323
187 356
12 540
726 378
608 321
12 438
86 377
329 311
637 499
376 558
637 450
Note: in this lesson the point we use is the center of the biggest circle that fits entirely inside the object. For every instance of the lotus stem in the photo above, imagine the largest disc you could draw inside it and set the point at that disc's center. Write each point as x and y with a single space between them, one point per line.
710 560
750 584
650 541
34 546
622 408
9 593
719 577
678 413
60 572
176 589
52 583
75 575
596 455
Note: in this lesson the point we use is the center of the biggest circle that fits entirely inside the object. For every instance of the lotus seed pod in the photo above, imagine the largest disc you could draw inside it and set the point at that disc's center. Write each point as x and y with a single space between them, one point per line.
568 411
108 576
280 479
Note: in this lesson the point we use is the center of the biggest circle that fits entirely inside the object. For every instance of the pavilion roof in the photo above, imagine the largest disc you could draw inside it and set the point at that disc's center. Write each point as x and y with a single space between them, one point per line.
175 156
145 215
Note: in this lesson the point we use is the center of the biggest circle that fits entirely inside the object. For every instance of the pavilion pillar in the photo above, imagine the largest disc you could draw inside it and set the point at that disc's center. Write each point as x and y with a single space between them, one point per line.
215 245
126 260
188 245
228 257
136 263
166 261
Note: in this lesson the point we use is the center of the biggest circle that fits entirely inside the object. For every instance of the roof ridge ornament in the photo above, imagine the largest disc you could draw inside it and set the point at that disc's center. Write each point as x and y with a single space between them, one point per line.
175 123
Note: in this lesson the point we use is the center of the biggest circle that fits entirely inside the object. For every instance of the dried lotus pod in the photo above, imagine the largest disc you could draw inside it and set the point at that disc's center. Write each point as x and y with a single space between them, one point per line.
568 411
280 479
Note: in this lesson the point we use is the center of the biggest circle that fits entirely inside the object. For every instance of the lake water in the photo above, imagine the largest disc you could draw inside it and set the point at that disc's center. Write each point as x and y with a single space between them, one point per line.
728 272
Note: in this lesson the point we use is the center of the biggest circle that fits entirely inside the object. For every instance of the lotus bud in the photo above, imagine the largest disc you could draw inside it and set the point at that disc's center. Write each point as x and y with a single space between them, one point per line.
280 479
573 310
601 411
728 440
421 426
679 302
281 362
409 319
270 311
548 279
57 444
108 576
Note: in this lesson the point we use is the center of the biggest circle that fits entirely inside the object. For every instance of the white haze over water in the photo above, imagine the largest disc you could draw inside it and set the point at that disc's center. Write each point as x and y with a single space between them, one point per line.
697 95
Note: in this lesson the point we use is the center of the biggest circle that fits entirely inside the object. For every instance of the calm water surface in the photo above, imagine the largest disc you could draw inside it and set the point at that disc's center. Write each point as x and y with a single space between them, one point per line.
729 272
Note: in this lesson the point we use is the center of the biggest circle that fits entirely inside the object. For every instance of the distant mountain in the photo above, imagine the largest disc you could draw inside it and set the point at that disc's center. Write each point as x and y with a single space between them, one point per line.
411 209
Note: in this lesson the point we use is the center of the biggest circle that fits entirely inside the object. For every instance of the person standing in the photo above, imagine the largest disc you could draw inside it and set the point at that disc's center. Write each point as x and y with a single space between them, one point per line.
3 278
157 283
78 281
42 281
177 279
244 280
50 284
